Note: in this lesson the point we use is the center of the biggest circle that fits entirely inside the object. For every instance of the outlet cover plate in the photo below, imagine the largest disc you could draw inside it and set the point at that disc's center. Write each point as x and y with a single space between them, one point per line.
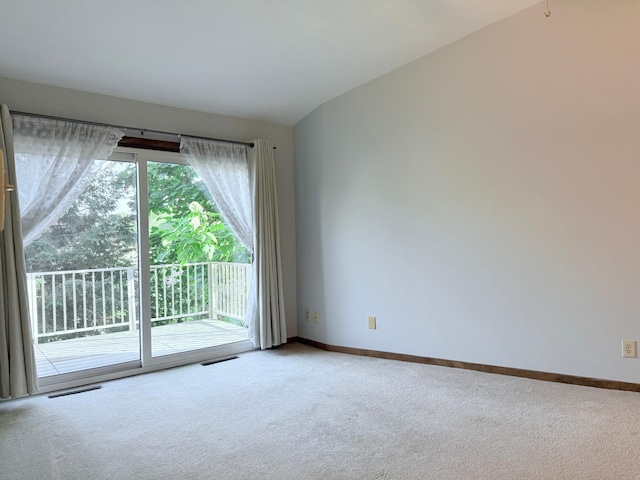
629 349
372 323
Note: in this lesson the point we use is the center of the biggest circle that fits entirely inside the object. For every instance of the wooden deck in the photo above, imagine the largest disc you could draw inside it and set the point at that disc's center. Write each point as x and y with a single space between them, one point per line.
67 356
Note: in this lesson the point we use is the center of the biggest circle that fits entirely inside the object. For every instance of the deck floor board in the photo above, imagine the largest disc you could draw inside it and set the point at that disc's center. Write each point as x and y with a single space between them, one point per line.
66 356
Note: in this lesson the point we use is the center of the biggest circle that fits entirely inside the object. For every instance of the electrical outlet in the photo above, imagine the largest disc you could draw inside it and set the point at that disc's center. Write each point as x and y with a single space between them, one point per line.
307 315
372 323
316 317
629 348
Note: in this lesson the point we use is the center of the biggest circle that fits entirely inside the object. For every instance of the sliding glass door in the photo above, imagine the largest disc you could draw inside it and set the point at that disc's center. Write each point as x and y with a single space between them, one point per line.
199 272
140 270
82 276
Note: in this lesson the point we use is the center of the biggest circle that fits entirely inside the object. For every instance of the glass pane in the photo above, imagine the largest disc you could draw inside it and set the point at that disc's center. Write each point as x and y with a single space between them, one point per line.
82 277
200 273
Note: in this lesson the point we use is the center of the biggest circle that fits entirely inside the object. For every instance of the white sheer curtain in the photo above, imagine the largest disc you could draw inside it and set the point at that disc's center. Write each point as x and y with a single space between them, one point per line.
56 156
223 169
265 316
244 190
18 376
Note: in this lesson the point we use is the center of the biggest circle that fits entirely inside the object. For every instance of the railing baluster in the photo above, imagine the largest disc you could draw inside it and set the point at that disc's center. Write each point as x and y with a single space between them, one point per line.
75 304
230 289
54 300
84 299
121 299
44 317
195 288
220 288
238 294
212 293
243 282
131 298
223 289
188 292
248 273
93 291
236 289
232 292
113 300
181 299
226 288
234 296
240 290
202 290
164 291
64 301
104 300
173 292
155 272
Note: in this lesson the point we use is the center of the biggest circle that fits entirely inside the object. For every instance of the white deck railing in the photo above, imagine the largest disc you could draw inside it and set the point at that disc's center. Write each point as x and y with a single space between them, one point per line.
76 301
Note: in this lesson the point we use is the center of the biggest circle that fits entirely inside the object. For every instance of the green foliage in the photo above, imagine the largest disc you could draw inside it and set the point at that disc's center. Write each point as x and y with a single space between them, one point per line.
93 233
185 226
99 230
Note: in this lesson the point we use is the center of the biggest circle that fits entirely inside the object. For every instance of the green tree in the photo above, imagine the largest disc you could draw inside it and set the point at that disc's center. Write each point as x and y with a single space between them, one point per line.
185 225
95 232
98 230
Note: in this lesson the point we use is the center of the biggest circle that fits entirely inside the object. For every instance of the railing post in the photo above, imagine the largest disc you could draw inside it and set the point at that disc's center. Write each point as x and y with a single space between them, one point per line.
246 288
213 293
131 298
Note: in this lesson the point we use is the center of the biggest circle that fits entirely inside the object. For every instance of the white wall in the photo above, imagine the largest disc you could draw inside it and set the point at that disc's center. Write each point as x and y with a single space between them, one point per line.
29 97
483 201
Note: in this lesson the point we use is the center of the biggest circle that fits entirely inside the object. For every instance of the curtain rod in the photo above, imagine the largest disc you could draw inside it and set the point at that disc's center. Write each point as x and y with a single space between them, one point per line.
141 130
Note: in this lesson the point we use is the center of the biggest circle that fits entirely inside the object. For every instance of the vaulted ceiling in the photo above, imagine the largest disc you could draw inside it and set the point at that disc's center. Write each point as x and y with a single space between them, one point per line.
272 60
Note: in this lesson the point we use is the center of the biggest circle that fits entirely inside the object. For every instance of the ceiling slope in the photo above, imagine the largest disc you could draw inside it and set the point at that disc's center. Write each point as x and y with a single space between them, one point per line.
267 60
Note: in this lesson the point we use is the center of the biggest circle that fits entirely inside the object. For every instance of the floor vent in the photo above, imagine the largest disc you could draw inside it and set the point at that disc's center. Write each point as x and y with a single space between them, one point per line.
73 392
218 360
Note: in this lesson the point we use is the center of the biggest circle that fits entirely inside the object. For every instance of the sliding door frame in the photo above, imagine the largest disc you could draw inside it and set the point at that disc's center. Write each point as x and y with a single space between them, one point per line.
147 362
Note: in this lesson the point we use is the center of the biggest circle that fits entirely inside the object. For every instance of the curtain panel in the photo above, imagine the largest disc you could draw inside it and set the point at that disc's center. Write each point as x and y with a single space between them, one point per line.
224 171
57 156
266 316
244 190
18 376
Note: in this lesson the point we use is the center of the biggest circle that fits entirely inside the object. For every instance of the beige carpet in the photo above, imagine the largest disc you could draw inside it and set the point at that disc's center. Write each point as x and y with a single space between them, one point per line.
302 413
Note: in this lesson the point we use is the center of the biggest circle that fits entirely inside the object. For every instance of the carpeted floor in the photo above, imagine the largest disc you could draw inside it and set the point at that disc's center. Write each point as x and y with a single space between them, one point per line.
301 413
